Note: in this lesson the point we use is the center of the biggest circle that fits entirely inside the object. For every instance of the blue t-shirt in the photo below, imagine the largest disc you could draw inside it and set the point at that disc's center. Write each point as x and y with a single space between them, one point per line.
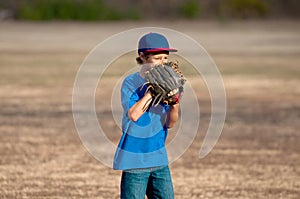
142 144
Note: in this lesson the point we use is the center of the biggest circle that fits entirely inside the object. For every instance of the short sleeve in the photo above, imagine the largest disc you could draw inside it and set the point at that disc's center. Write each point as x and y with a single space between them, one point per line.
129 96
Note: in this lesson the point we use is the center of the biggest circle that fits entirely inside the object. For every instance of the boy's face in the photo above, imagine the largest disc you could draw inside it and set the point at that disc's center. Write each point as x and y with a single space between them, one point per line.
156 59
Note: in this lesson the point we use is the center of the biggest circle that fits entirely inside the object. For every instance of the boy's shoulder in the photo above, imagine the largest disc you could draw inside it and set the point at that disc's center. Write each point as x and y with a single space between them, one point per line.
133 76
134 79
131 81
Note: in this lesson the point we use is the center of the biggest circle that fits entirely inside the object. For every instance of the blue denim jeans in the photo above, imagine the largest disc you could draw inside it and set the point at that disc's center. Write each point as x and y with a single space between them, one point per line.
154 182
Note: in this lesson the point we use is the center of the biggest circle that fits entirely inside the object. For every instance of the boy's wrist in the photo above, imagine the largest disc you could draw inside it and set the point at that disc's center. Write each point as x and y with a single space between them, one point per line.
175 105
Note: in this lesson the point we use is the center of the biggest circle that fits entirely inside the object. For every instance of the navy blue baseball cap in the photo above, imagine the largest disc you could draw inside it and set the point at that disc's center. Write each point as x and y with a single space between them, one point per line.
154 42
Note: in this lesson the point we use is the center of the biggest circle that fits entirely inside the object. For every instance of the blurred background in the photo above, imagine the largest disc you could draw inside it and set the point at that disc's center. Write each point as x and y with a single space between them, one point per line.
254 43
93 10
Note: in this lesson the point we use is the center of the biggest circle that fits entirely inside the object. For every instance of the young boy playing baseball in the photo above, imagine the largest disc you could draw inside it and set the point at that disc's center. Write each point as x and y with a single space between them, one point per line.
141 153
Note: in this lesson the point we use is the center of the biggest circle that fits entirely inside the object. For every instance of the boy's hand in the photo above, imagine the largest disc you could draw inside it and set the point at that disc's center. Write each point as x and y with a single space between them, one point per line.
165 82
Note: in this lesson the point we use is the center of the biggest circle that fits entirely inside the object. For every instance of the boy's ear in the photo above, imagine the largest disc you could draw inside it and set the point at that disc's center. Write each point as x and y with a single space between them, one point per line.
142 56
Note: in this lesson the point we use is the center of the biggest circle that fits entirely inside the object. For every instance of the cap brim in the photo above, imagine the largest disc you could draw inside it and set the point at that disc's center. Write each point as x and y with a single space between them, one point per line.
162 49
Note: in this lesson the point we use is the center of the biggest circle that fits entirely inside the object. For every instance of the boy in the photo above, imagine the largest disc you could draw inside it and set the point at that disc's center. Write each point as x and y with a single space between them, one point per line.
141 152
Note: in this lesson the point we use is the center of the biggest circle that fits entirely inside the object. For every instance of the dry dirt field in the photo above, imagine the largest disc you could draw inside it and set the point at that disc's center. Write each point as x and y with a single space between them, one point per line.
257 155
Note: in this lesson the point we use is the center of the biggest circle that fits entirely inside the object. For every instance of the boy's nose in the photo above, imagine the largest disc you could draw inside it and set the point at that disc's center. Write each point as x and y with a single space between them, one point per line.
163 61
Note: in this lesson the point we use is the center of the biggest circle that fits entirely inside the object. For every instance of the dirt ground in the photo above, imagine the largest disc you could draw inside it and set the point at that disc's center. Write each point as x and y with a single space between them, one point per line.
257 155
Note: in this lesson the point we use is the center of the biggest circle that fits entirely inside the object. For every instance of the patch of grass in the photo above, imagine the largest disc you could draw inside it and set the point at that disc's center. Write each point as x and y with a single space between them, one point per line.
243 9
190 9
88 10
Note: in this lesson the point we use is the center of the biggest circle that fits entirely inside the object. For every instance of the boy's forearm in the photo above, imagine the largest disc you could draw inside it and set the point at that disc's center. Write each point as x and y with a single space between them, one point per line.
172 115
137 110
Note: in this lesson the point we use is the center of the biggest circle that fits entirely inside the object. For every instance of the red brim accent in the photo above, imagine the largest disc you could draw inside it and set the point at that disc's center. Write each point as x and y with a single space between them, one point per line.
162 49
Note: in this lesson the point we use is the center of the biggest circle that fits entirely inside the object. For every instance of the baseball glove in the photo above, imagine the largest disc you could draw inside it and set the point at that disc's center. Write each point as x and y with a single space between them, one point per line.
165 82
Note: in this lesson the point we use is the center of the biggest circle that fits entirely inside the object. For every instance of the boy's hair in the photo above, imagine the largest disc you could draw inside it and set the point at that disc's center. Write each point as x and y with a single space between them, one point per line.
147 55
139 60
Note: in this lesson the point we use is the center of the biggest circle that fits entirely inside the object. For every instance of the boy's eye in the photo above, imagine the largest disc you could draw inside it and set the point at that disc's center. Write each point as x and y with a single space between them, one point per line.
159 58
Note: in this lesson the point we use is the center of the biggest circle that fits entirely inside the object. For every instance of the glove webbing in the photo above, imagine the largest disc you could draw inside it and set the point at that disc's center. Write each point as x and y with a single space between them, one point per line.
167 72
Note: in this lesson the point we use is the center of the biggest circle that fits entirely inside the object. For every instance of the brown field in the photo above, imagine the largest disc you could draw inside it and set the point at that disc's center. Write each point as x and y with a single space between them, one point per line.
257 155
